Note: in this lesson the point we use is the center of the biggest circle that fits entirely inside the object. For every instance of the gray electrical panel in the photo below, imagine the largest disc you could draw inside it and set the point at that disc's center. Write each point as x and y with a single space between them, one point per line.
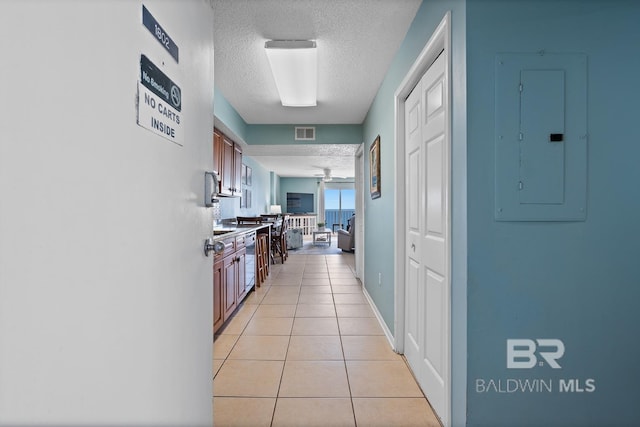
541 137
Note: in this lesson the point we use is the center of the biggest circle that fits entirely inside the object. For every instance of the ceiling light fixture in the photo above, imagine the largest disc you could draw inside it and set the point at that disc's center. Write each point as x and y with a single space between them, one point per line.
294 64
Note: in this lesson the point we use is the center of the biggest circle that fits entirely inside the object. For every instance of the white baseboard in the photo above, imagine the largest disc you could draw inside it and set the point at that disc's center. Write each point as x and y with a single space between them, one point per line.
385 329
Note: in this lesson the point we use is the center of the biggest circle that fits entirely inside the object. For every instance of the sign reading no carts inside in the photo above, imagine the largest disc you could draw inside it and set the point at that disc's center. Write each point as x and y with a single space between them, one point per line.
159 103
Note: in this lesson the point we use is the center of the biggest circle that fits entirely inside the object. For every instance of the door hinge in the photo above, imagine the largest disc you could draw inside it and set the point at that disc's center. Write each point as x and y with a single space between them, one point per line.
520 87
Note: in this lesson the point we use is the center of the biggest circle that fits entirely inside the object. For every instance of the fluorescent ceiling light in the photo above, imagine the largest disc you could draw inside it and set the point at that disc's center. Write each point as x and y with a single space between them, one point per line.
294 64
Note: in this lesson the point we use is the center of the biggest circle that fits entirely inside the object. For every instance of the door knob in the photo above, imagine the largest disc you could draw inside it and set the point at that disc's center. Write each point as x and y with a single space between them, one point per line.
209 246
413 246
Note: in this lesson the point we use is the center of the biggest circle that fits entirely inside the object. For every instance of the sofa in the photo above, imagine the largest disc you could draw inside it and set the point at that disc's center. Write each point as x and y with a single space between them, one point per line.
347 238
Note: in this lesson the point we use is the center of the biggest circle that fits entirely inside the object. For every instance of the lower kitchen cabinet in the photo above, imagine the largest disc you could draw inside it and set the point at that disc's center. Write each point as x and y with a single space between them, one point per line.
229 279
218 312
229 284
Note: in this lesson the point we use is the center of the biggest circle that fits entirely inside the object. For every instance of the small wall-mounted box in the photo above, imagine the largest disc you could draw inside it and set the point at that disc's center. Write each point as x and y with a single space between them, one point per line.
541 137
211 187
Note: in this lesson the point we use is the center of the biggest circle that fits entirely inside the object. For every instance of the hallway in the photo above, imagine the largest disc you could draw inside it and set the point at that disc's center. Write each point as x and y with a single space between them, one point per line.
306 350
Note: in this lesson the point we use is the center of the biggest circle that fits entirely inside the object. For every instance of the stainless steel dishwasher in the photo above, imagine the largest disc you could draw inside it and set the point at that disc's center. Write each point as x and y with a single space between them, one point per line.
250 260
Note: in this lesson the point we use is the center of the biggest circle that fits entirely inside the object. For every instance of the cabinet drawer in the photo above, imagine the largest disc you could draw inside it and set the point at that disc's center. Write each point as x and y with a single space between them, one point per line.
241 241
250 239
229 248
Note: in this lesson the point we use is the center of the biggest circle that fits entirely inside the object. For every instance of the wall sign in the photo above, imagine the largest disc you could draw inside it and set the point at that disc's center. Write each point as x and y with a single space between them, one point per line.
158 82
159 33
159 103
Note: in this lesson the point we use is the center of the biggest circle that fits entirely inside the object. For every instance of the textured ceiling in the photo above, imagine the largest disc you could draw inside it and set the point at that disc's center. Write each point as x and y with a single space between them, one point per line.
305 160
356 39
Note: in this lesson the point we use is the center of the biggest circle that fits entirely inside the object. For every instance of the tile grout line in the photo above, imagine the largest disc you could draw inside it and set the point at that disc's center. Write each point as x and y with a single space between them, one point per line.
344 357
284 363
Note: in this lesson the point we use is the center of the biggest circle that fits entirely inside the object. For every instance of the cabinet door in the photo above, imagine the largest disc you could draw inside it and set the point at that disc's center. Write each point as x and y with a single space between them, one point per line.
218 295
218 151
237 170
227 174
229 281
241 288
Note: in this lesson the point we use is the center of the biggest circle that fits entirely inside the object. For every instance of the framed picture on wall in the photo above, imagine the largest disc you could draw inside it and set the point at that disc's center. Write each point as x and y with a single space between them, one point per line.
247 198
244 174
249 176
374 168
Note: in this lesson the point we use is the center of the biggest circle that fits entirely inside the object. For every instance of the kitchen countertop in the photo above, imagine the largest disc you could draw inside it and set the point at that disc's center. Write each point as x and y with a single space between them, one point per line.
226 231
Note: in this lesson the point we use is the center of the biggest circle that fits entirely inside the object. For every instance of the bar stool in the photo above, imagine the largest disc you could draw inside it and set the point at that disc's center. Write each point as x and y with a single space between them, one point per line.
265 254
262 258
259 268
283 244
279 241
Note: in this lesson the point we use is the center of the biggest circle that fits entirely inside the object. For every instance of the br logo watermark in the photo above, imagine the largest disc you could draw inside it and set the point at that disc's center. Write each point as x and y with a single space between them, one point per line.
525 353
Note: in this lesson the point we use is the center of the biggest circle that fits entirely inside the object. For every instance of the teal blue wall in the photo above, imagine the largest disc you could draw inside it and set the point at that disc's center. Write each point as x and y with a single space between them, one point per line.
379 213
573 281
298 185
260 193
280 134
260 188
284 134
261 178
225 113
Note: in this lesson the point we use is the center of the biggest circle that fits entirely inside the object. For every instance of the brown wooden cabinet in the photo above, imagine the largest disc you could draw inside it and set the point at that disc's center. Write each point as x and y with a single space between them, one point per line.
217 151
237 170
227 157
218 313
229 280
229 284
227 176
241 256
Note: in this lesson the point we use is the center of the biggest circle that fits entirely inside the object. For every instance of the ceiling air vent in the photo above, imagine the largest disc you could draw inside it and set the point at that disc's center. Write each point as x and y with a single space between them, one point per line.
305 134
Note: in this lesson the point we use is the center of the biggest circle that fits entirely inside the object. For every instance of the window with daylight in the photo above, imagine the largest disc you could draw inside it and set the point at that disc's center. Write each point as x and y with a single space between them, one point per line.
339 204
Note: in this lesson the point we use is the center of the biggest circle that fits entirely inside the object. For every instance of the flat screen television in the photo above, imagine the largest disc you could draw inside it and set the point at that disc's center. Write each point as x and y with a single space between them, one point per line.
299 203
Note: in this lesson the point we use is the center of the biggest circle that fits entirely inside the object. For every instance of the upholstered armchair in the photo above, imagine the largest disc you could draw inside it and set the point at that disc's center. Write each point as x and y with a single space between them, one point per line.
346 238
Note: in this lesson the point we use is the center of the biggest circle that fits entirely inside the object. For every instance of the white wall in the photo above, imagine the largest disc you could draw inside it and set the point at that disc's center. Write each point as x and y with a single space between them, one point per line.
105 295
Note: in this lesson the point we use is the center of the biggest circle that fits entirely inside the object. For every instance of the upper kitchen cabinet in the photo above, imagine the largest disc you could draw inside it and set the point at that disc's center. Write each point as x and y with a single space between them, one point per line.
228 159
217 151
237 170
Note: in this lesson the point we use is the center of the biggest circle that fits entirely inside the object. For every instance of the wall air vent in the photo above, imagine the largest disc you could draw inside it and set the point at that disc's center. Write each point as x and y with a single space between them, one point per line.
305 134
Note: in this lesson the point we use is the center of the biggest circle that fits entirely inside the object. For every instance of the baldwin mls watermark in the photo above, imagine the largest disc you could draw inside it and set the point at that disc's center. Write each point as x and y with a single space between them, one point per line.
527 354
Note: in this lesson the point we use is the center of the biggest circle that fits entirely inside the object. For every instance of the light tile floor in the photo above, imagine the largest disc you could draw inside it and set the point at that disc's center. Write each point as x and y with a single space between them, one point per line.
305 349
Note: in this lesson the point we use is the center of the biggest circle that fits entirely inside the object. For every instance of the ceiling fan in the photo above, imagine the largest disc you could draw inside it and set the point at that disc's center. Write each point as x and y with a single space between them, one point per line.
326 176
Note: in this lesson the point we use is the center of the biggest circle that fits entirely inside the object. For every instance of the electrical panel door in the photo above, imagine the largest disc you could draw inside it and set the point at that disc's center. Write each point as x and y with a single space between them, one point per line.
541 137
